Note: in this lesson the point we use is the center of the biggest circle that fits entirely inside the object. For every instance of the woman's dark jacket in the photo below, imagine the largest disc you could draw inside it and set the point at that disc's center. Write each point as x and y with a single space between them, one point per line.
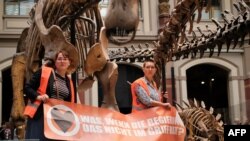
34 83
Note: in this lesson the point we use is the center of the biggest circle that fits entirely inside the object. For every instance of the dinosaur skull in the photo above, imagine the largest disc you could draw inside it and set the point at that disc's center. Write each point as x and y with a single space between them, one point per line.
122 18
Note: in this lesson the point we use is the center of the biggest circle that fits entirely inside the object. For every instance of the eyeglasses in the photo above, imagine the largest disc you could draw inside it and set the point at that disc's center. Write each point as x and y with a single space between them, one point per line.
62 59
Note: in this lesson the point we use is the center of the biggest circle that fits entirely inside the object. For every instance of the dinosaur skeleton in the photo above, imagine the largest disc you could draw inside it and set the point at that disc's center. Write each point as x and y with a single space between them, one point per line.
54 21
233 32
132 54
168 48
201 124
50 29
63 24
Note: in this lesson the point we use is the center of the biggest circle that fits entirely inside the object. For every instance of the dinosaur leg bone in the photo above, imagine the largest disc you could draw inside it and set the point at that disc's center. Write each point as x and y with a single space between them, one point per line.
108 78
18 75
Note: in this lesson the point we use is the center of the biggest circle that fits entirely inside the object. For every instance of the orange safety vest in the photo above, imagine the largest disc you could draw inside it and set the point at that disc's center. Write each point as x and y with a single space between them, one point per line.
137 105
32 107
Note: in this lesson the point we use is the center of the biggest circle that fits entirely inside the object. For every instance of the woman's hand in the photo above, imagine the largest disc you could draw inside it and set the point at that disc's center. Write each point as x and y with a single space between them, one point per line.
165 94
43 97
167 105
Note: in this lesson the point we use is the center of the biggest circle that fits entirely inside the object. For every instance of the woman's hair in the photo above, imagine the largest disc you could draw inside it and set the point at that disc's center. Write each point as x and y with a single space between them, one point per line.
148 60
64 53
51 62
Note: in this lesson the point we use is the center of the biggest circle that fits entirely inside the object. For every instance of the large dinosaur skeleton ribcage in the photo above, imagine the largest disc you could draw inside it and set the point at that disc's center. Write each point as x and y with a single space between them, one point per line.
87 23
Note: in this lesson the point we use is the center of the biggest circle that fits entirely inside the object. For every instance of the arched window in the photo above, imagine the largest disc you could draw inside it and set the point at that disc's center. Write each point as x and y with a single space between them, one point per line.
18 7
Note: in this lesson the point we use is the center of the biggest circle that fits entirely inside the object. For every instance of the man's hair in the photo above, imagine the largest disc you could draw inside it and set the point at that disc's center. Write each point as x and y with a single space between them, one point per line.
148 60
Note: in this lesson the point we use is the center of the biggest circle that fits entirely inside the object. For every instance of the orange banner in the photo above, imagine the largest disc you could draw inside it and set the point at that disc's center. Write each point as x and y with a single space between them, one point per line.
68 121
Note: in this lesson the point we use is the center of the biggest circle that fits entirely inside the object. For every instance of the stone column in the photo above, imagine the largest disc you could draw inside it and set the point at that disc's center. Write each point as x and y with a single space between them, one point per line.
246 57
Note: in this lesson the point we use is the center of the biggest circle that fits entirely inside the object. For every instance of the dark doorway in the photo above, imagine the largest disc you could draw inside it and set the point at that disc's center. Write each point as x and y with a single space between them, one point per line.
7 94
127 73
209 83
